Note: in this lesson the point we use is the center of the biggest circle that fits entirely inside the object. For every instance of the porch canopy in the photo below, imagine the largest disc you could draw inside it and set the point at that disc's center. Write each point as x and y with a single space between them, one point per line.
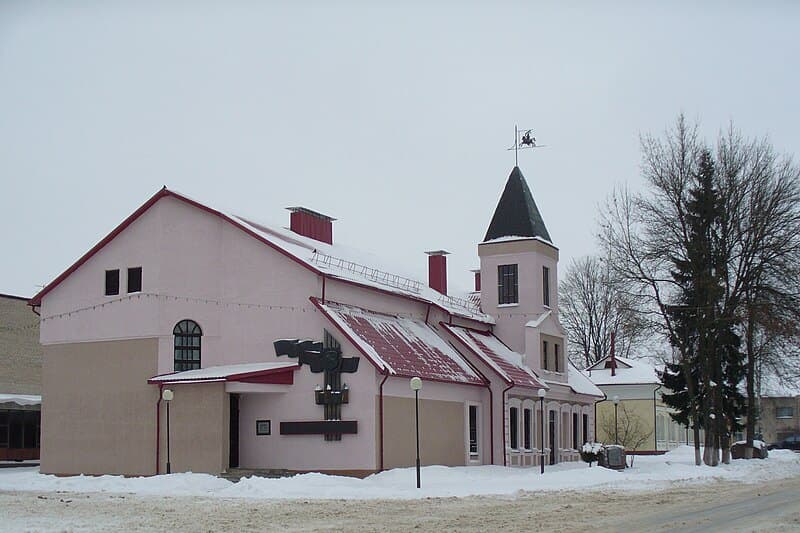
277 373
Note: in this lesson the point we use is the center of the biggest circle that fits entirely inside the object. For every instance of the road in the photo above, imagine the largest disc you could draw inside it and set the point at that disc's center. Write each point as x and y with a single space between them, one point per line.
719 506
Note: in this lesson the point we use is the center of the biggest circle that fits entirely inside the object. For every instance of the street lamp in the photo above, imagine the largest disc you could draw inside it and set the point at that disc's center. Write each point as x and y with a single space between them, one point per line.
167 396
416 385
542 394
616 426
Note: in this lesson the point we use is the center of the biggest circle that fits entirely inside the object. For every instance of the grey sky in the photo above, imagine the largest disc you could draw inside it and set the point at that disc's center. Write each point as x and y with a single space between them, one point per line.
394 120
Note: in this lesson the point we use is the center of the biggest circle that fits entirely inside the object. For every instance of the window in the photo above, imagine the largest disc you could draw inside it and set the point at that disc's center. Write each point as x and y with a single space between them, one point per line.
546 286
526 429
263 427
135 279
112 282
507 284
574 431
784 412
187 345
544 355
473 430
513 414
556 350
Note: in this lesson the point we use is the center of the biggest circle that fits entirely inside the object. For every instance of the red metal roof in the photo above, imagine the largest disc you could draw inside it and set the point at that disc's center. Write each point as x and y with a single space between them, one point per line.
507 363
401 346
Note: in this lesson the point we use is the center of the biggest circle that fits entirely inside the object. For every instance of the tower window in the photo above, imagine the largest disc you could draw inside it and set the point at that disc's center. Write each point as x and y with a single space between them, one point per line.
507 284
546 286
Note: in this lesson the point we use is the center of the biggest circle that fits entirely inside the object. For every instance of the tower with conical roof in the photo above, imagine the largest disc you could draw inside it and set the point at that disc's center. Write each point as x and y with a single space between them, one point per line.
519 279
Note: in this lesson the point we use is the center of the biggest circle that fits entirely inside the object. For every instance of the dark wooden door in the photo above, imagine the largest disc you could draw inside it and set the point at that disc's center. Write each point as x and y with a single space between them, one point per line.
233 461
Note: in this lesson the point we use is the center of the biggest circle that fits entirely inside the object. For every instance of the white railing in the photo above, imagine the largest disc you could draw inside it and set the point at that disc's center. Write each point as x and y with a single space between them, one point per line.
373 274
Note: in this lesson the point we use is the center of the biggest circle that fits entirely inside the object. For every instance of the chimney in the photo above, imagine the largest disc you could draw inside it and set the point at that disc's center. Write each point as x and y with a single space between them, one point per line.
613 357
477 273
437 270
311 224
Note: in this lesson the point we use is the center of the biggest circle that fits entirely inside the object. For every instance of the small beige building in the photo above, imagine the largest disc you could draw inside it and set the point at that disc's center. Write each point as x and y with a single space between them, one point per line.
20 380
641 416
780 412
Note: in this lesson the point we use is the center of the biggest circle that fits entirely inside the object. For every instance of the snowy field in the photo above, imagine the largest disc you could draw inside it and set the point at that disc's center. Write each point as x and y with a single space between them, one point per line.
648 473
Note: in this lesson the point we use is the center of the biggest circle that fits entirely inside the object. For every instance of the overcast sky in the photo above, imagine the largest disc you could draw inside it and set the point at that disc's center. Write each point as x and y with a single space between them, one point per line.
394 120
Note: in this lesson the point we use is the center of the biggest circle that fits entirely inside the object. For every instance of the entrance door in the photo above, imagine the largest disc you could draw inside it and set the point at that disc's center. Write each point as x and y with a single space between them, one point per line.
233 460
552 437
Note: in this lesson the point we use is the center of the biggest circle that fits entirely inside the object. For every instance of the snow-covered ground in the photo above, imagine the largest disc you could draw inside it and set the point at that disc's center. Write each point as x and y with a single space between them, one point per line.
648 473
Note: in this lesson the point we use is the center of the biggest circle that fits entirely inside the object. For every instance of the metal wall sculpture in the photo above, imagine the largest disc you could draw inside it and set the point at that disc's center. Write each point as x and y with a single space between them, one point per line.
322 357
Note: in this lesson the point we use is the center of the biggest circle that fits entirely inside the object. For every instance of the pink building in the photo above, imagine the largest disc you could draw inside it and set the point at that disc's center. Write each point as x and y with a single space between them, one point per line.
186 298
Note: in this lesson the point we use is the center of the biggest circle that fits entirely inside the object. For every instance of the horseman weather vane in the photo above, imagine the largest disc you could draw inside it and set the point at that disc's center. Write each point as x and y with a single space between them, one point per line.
523 139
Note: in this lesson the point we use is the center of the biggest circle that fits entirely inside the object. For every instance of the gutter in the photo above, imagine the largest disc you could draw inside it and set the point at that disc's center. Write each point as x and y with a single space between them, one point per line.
380 414
491 423
503 406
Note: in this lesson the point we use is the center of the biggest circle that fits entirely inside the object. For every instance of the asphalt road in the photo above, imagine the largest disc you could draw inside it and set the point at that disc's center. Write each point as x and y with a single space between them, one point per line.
708 507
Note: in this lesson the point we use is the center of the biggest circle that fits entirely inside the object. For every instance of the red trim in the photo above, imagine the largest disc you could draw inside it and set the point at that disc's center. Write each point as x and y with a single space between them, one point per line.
37 299
380 413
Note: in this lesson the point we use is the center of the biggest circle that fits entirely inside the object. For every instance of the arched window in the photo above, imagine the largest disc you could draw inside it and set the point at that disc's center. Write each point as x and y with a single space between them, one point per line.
187 345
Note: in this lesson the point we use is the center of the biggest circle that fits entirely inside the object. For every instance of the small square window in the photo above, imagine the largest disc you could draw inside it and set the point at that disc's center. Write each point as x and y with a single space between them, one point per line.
112 282
135 279
263 427
784 412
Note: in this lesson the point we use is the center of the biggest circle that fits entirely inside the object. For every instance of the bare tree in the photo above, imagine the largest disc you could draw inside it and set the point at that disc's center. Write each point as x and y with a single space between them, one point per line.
593 305
628 429
645 234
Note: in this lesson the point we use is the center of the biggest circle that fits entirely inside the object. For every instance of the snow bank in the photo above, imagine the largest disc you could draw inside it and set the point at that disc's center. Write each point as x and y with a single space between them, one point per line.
650 472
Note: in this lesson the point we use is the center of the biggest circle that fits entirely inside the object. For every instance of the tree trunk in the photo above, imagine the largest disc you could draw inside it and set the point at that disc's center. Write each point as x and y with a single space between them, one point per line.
752 413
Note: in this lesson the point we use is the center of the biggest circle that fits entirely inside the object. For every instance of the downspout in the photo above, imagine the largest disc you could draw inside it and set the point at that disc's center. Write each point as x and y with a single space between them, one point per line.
605 399
503 399
323 289
491 423
36 312
380 414
655 420
158 427
427 314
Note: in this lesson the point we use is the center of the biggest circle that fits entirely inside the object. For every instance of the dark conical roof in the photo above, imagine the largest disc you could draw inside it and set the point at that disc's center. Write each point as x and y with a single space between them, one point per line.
516 214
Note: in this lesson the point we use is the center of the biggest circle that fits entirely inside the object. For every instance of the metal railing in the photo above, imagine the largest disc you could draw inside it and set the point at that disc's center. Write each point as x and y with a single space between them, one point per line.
373 274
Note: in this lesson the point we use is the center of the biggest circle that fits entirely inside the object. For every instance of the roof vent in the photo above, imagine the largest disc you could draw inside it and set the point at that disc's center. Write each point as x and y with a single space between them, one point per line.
311 224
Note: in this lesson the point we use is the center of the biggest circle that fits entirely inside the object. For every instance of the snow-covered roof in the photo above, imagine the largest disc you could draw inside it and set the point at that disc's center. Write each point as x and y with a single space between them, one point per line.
401 346
580 383
499 357
345 262
629 372
774 387
225 372
21 399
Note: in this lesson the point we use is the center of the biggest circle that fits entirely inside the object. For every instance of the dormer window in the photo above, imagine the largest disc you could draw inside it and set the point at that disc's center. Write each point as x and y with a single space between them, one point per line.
507 284
546 286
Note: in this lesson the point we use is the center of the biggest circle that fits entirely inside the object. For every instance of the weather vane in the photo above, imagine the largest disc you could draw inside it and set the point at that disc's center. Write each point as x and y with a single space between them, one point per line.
523 139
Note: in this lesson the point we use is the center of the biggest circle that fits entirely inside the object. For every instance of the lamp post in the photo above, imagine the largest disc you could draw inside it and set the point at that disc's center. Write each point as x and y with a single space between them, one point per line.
542 394
167 396
416 385
616 426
